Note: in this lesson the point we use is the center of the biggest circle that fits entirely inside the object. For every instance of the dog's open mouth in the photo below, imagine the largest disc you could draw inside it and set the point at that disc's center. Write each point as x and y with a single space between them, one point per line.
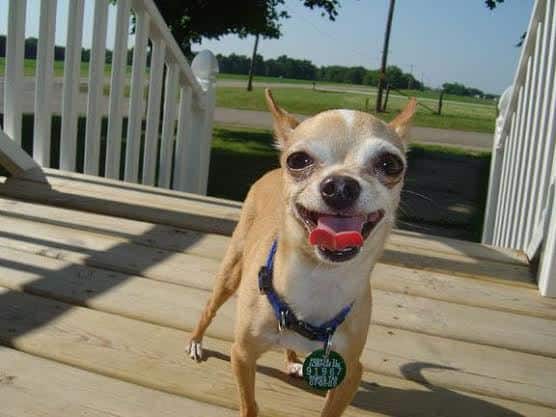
338 237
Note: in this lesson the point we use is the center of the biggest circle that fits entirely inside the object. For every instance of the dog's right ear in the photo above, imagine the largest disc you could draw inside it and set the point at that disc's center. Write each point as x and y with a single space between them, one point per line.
284 122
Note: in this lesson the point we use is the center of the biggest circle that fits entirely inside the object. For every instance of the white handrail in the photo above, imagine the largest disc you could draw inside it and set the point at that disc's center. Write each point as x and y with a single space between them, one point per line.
185 151
520 212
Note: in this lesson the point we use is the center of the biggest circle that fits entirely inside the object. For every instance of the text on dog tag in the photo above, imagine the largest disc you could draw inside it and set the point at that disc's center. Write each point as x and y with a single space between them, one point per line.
322 372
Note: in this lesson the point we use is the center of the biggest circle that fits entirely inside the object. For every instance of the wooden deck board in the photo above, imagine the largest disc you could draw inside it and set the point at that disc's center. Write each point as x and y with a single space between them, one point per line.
481 369
121 348
213 216
461 319
63 279
116 231
34 387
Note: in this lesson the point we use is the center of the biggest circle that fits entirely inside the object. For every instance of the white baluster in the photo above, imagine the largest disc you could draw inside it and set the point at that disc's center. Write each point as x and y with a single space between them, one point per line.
44 80
96 85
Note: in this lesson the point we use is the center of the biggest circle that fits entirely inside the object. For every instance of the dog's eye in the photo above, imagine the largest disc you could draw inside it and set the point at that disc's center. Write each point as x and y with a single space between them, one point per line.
389 164
299 160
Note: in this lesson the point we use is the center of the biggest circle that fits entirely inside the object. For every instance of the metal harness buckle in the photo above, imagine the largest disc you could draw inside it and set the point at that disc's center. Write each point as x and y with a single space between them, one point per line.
282 324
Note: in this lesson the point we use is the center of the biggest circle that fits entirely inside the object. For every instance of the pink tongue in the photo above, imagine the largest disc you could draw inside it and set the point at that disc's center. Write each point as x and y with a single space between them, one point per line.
336 233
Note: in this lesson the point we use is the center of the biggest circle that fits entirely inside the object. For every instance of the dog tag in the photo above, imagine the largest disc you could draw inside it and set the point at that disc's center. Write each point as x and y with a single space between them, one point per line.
324 372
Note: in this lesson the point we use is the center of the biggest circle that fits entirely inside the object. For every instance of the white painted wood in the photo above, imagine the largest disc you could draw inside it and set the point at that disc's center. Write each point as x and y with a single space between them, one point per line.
117 82
496 165
547 271
508 189
44 79
153 111
528 43
137 92
524 214
173 51
183 137
497 215
13 77
16 161
191 166
548 116
168 126
68 144
205 68
538 122
96 86
524 167
518 165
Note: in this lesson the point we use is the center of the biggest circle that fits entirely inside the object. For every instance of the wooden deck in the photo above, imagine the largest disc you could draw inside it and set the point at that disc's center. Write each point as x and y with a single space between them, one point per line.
100 281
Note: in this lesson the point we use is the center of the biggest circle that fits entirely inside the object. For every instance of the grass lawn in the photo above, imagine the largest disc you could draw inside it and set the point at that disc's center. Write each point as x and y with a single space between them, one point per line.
364 88
29 67
434 172
460 116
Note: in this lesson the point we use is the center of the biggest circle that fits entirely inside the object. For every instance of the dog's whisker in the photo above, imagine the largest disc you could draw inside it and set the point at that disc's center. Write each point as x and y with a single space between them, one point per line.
424 197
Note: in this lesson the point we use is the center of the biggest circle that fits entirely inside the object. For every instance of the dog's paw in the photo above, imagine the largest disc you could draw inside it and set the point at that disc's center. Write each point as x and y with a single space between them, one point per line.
195 350
295 369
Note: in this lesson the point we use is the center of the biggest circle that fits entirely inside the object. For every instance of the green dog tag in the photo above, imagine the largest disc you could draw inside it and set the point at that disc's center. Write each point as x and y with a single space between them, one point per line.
322 372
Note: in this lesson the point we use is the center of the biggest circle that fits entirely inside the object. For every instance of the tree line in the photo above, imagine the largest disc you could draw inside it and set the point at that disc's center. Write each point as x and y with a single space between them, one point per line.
283 66
303 69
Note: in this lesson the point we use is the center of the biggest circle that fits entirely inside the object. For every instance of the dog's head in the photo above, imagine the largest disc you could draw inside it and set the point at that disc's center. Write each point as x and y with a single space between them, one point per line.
343 172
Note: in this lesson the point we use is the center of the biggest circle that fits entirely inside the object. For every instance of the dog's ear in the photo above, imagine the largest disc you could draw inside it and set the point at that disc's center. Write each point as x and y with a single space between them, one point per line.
284 122
402 122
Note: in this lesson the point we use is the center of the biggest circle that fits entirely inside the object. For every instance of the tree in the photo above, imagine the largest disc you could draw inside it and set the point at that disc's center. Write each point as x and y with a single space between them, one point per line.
192 20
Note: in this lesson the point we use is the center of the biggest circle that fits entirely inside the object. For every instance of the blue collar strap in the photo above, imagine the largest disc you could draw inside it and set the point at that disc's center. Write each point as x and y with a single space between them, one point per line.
285 315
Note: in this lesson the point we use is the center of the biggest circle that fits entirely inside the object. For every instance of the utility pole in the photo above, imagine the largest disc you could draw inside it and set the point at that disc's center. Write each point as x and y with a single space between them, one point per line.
410 79
252 67
384 57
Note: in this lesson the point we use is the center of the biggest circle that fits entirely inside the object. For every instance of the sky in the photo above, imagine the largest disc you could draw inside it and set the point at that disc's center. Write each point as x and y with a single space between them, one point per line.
437 40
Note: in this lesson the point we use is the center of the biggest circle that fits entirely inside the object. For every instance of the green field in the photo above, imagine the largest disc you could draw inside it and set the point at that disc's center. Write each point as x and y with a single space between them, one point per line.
29 67
428 94
460 116
461 113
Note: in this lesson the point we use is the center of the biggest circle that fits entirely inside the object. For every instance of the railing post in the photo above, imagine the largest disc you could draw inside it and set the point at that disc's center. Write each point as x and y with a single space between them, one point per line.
205 68
547 269
495 168
13 80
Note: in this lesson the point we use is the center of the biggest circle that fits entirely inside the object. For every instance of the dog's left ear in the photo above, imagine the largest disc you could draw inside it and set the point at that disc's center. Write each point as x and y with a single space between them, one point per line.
402 122
284 122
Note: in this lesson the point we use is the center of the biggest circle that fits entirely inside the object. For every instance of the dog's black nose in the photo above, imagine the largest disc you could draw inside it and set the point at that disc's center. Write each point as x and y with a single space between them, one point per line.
339 191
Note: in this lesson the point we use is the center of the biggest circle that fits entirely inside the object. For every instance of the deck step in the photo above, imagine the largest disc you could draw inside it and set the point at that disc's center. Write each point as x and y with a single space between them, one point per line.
390 349
219 216
31 386
152 356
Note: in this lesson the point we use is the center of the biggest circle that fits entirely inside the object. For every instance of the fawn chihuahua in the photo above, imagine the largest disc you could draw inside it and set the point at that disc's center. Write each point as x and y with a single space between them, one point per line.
308 237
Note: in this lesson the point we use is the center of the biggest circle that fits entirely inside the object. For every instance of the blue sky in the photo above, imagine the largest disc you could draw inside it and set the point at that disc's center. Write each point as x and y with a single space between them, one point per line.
448 40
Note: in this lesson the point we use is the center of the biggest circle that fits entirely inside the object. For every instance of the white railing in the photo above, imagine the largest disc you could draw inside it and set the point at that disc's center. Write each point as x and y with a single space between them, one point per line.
521 209
188 98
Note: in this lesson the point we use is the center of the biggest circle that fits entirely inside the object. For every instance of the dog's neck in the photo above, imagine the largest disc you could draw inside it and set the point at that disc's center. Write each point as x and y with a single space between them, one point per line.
317 291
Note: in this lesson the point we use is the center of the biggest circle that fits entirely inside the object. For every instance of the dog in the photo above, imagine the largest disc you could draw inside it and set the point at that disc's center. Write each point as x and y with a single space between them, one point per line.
321 221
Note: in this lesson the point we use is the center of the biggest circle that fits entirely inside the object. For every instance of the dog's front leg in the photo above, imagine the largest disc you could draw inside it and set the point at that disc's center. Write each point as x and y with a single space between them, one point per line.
244 363
339 398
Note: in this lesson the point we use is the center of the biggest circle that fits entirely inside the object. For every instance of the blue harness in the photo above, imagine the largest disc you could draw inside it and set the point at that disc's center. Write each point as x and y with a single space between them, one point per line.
285 315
